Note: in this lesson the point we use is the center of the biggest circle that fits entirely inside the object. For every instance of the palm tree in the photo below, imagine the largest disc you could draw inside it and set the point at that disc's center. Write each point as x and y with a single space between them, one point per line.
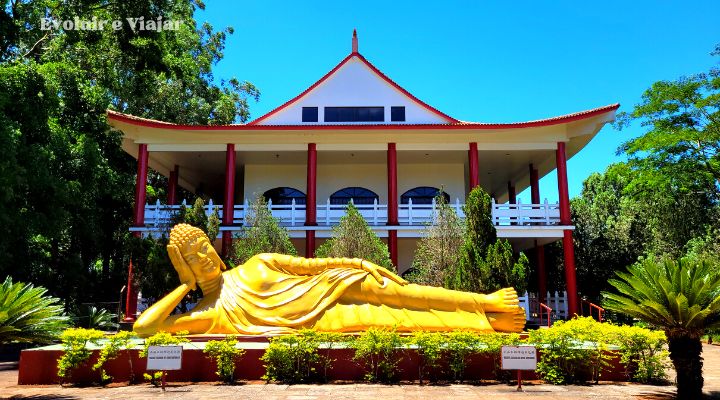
27 315
683 298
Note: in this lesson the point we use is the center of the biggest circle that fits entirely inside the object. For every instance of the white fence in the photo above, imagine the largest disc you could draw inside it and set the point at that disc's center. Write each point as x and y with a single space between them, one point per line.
557 301
159 217
525 214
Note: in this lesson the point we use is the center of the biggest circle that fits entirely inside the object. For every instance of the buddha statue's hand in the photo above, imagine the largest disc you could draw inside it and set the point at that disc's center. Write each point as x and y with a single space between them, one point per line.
380 273
181 266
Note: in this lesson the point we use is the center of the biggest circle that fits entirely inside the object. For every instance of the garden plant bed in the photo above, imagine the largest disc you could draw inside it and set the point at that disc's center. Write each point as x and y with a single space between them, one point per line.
39 366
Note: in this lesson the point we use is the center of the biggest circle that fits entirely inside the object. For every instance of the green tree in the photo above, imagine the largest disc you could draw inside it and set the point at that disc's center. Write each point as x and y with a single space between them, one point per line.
683 298
262 234
67 184
353 238
486 263
611 230
438 252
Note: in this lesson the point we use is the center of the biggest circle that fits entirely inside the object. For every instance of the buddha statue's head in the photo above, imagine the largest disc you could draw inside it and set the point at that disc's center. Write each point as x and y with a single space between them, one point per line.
197 251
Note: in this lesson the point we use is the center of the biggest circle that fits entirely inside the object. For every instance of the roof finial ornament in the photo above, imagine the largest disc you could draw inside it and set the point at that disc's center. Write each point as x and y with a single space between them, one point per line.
354 41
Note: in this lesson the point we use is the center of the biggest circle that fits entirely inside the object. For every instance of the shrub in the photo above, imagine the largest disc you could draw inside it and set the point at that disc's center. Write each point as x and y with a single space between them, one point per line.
297 358
430 348
225 353
572 351
263 234
164 339
491 344
460 345
111 349
28 315
353 238
75 351
378 351
94 318
438 252
642 352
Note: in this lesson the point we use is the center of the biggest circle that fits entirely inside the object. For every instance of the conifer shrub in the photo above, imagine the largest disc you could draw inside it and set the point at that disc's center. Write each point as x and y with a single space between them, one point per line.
263 234
354 238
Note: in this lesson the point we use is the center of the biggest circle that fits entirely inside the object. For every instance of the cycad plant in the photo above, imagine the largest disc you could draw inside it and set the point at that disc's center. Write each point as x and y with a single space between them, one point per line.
683 298
27 315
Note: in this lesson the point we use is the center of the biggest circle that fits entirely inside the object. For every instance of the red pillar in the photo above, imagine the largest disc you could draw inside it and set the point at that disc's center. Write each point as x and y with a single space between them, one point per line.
512 196
534 186
229 203
473 166
311 201
392 201
172 186
568 250
539 250
138 221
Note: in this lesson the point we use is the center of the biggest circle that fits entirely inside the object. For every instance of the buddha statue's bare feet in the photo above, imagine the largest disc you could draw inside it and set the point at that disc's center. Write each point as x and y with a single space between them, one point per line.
504 300
507 321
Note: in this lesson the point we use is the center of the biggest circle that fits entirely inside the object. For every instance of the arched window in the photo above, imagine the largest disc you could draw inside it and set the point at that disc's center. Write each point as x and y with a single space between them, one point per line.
357 194
284 196
422 195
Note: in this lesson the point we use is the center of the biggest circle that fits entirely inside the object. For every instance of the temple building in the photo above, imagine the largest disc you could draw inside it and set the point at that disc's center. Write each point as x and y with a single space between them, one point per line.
356 135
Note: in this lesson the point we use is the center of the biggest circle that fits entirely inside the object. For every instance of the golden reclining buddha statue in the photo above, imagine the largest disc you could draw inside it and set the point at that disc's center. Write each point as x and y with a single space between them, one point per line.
277 294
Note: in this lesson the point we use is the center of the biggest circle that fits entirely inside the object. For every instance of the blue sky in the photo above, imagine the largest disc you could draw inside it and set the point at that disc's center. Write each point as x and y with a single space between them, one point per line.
479 61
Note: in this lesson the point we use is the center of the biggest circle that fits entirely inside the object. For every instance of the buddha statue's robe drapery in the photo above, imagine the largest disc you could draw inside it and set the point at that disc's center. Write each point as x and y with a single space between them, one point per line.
265 296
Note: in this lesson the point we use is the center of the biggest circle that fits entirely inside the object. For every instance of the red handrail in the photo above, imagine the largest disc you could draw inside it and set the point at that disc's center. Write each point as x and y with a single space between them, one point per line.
600 310
548 310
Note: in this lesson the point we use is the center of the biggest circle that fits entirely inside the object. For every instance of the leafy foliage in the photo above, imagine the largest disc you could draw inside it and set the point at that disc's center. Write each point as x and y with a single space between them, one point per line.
683 298
67 183
353 238
28 315
198 217
164 339
111 349
485 263
75 350
225 353
378 351
438 252
91 317
263 234
430 347
298 358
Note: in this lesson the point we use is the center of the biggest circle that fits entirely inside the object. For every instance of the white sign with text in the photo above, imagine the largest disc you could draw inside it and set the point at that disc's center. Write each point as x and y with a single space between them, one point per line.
164 358
518 357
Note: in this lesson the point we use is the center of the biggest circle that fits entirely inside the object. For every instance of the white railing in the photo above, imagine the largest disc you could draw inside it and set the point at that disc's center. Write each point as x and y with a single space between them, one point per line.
556 301
161 216
525 214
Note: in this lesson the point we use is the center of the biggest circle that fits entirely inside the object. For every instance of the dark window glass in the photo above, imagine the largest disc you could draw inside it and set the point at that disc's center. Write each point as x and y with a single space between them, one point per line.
422 195
284 196
309 114
357 194
354 114
397 113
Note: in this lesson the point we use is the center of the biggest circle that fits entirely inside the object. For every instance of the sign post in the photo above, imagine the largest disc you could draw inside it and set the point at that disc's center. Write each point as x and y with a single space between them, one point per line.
520 358
164 358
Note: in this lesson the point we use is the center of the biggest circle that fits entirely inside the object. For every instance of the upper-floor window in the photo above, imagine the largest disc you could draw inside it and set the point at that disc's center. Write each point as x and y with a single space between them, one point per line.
354 114
422 195
284 196
357 194
309 114
397 114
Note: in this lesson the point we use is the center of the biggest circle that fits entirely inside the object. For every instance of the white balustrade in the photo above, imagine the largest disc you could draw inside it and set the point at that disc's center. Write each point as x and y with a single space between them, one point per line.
160 216
525 214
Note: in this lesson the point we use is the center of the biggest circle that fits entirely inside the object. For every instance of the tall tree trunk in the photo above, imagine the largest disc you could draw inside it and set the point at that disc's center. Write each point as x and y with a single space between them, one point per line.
685 354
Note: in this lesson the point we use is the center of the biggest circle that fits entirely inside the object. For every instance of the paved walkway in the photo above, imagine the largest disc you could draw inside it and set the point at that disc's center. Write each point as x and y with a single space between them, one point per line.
606 391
